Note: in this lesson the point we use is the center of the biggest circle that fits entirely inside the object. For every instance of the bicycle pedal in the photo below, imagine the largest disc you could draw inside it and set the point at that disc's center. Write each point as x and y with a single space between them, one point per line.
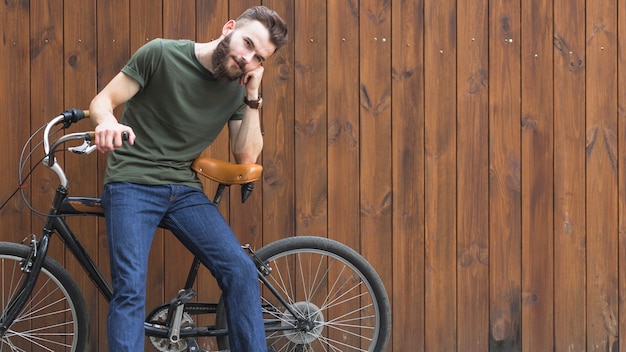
183 297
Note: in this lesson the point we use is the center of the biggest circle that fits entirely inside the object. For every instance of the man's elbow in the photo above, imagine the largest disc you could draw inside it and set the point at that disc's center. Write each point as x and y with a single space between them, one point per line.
248 155
245 158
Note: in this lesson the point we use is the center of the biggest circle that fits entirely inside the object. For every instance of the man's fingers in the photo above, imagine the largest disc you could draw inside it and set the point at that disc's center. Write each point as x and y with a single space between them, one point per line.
108 140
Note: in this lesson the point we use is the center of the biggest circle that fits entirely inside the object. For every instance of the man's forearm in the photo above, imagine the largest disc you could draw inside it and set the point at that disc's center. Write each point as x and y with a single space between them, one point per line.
248 142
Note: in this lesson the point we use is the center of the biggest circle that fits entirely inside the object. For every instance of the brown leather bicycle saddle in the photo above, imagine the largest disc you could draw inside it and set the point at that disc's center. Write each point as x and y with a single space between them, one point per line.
225 172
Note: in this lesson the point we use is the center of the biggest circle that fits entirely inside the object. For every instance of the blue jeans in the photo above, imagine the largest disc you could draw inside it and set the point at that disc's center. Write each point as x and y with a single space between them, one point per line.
133 213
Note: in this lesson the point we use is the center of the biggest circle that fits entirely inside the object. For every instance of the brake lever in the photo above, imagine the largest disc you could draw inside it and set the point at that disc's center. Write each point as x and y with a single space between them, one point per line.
85 148
88 148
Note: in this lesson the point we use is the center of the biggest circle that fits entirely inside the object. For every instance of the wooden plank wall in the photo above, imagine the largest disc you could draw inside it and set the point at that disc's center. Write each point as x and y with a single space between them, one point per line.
471 150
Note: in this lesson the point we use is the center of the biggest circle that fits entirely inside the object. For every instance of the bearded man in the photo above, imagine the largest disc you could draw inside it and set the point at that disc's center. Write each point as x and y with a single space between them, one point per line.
178 95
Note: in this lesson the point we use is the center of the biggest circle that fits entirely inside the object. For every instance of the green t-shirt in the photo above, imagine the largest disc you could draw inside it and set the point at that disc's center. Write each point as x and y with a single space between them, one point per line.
178 112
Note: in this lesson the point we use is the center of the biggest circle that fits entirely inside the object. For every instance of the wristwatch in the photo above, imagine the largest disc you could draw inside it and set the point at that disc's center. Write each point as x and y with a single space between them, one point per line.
253 104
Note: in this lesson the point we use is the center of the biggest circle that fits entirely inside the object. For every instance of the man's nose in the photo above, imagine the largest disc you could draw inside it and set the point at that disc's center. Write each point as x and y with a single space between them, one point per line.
248 57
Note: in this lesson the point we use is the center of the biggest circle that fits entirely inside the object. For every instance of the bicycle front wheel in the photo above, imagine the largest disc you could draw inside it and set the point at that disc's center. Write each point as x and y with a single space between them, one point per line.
335 300
55 315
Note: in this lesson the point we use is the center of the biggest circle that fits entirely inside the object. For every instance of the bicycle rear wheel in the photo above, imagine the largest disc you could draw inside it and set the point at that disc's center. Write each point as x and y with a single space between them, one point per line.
339 301
55 315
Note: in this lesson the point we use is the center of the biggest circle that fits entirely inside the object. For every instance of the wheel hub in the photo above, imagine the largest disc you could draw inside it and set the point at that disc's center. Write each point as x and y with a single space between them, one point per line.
309 322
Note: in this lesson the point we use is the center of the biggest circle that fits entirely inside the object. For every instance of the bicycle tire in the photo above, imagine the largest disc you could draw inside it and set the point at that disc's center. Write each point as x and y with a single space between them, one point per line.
55 316
330 283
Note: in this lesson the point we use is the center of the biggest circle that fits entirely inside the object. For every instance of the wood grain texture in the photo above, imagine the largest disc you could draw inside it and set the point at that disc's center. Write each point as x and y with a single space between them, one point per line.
16 124
375 182
569 177
505 191
472 247
621 180
601 171
440 174
407 141
537 176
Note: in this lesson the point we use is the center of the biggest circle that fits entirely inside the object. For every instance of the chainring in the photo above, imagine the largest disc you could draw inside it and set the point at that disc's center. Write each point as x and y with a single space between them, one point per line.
164 344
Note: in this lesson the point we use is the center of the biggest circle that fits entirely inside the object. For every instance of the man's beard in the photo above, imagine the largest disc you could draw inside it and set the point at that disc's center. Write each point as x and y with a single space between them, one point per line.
219 62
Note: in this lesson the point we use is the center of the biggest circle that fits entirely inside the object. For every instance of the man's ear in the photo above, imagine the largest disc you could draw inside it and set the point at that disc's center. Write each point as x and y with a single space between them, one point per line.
228 27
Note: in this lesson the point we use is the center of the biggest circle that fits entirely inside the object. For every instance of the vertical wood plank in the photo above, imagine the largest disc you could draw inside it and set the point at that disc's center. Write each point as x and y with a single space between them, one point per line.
278 125
569 176
113 51
236 8
440 174
179 20
343 128
601 182
80 77
343 122
537 176
375 135
408 92
46 69
210 18
621 124
146 23
504 179
473 175
310 119
15 115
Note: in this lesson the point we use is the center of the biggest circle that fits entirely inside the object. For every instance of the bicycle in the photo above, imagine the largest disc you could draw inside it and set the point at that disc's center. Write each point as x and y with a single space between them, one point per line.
317 294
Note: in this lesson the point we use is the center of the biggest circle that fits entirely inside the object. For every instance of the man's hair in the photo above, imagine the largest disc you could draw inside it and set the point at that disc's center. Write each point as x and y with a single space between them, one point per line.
270 19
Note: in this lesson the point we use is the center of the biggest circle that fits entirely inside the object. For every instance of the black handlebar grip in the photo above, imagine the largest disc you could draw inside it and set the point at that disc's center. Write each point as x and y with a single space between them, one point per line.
74 115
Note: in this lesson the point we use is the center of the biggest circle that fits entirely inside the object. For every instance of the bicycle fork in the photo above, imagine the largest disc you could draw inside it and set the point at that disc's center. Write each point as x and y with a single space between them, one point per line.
31 267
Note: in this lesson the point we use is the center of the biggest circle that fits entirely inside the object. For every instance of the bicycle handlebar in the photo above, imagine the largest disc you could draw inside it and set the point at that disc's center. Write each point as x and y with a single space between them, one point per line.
67 118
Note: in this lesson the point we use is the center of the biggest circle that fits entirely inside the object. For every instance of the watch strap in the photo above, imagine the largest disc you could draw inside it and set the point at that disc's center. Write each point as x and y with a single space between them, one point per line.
253 104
